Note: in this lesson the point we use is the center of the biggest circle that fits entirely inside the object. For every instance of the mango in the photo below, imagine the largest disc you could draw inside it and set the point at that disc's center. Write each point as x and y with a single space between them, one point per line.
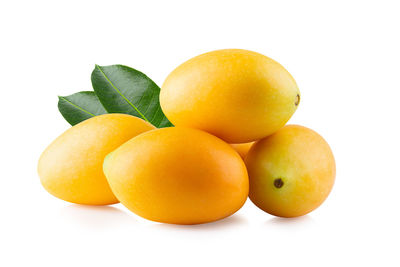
178 175
71 167
237 95
291 172
242 149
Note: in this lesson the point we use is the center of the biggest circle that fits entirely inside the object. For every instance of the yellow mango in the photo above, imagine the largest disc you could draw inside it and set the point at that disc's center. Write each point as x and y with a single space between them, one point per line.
71 167
291 172
237 95
242 149
178 175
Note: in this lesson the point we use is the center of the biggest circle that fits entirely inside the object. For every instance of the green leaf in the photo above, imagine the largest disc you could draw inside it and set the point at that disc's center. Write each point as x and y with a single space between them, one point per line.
80 106
122 89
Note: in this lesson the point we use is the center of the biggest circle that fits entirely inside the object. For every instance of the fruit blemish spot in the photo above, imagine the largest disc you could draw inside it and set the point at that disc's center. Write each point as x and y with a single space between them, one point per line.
278 183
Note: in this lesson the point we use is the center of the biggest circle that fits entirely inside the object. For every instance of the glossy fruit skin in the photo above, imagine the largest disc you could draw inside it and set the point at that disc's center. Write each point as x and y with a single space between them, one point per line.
242 149
291 172
234 94
71 167
178 175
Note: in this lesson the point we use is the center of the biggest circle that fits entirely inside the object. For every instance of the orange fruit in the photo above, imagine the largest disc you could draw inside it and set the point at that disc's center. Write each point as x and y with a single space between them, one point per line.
242 149
237 95
71 167
291 172
178 175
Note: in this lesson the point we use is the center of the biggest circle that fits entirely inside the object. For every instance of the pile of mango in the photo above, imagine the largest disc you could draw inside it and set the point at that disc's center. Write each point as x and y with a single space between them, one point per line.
229 142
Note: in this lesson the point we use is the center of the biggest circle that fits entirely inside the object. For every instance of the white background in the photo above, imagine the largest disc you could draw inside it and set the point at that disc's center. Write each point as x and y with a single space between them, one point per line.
345 58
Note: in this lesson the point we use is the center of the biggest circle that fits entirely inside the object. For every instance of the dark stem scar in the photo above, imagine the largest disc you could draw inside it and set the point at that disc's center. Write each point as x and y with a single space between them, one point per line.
278 183
297 101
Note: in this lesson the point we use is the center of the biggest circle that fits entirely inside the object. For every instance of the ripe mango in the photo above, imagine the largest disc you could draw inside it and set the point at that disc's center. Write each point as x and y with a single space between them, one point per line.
242 149
291 172
237 95
178 175
71 167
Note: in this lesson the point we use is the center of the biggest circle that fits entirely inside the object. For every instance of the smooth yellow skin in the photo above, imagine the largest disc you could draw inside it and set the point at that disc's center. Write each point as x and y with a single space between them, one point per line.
303 161
71 167
237 95
242 149
178 175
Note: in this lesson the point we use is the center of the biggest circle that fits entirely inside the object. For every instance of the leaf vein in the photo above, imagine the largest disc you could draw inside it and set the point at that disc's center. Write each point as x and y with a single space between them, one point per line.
78 107
119 92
